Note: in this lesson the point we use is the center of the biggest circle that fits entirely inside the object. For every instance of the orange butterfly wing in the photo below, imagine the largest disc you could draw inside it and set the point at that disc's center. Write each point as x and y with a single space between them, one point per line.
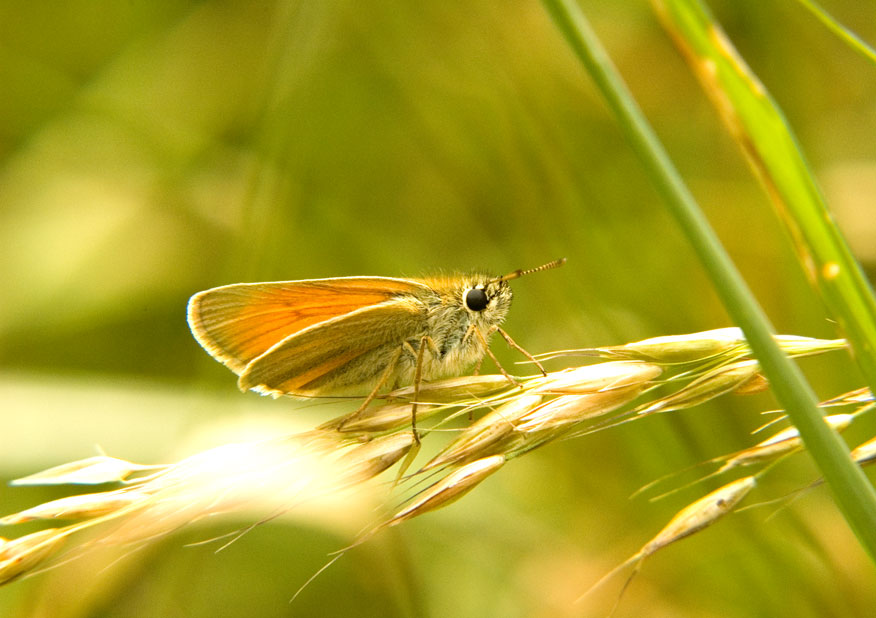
338 356
238 323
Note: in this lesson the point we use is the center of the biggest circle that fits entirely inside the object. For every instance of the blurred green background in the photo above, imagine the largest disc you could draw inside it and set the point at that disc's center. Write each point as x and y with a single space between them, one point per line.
151 149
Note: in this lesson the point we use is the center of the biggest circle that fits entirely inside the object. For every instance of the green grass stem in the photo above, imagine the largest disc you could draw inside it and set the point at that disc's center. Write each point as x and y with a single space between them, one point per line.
855 496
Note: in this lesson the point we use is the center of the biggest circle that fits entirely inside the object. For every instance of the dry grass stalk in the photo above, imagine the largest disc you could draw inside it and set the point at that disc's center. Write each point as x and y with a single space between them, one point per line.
726 344
85 506
716 382
495 432
859 395
91 471
379 419
21 555
598 378
284 472
349 451
452 389
782 443
865 452
449 489
565 411
676 349
691 519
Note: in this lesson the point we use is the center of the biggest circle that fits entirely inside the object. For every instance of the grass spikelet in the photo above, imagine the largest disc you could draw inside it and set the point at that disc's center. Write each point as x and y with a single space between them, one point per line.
757 384
691 519
675 349
859 395
783 442
449 489
23 554
396 413
494 432
701 514
713 384
595 378
504 421
721 343
379 419
91 471
865 453
567 410
367 460
83 506
453 389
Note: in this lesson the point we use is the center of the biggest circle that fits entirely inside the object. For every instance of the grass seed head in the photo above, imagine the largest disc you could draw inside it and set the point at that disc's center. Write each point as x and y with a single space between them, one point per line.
453 389
673 349
794 345
756 384
708 386
702 513
697 347
381 418
83 506
595 378
859 395
865 453
23 554
90 471
449 489
785 441
375 456
564 411
493 433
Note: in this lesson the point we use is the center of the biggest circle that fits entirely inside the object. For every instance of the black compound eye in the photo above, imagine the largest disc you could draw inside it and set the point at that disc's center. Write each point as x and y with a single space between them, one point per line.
476 299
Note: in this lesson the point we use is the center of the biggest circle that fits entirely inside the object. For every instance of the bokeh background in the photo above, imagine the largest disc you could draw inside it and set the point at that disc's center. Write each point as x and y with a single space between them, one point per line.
151 149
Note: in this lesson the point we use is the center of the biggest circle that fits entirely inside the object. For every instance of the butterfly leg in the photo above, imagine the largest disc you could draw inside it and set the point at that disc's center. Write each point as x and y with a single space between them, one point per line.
381 382
418 377
514 345
483 340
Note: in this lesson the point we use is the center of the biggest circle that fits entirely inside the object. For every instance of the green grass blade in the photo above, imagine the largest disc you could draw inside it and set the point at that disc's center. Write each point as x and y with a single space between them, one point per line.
855 495
850 38
761 130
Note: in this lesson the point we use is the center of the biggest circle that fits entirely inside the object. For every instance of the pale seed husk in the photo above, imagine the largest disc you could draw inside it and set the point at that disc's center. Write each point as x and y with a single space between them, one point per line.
492 433
453 389
382 418
567 410
595 378
700 514
20 555
91 471
783 442
707 387
865 453
83 506
449 489
674 349
375 456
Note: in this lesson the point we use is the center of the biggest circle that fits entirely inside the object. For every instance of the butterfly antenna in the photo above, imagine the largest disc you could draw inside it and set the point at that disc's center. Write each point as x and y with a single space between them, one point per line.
520 273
